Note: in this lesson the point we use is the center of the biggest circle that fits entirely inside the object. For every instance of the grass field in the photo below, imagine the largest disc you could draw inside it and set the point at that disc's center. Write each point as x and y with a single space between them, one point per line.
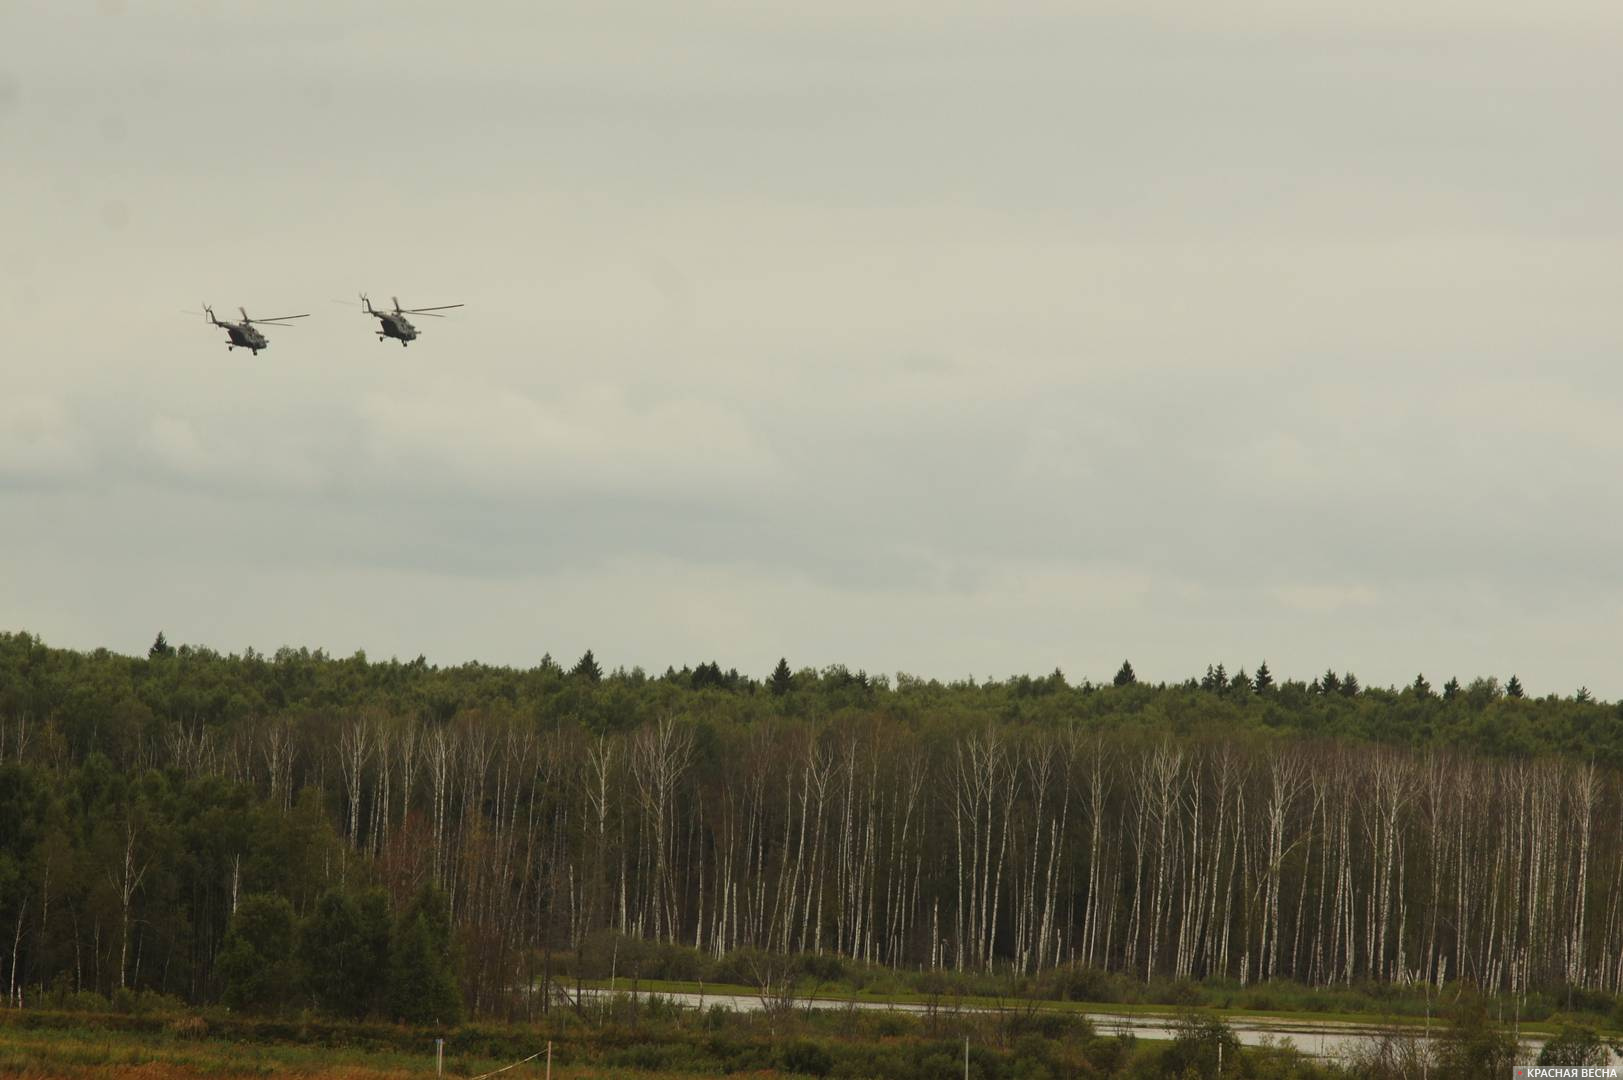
1329 1005
1010 1038
658 1045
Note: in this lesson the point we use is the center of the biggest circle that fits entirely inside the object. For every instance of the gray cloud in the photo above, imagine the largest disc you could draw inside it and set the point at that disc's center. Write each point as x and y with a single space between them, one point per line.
925 337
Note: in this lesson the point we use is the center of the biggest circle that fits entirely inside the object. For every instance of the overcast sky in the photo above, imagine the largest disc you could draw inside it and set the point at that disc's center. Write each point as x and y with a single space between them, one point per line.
939 337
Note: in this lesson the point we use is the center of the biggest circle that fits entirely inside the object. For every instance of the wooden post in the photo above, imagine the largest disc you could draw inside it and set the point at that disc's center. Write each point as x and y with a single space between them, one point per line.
549 1059
966 1057
439 1057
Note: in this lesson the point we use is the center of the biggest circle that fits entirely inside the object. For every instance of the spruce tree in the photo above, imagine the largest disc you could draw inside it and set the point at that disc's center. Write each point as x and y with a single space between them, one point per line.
256 958
1126 677
1422 688
706 674
587 668
1513 688
782 678
1349 685
1329 683
1264 680
422 977
342 956
1451 689
160 647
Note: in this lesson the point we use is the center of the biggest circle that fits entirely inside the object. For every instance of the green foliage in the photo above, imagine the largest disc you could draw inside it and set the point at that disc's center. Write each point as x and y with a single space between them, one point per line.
1202 1045
807 1058
587 668
782 678
256 960
422 981
1474 1045
81 794
344 953
1575 1046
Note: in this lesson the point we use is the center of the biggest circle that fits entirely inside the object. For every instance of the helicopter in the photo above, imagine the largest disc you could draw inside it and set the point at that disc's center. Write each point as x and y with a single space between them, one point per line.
243 334
394 324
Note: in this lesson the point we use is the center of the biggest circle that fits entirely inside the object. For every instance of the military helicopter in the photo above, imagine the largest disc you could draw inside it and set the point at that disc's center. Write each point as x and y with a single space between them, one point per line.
394 324
243 334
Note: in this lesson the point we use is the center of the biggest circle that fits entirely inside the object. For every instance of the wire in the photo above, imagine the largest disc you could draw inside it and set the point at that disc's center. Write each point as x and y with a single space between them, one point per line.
504 1068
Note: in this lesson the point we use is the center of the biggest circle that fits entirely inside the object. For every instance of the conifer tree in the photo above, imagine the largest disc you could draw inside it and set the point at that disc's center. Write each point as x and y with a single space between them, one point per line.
1451 689
343 953
1422 688
587 667
422 980
1329 682
1126 677
160 647
1264 680
1349 685
1513 688
782 678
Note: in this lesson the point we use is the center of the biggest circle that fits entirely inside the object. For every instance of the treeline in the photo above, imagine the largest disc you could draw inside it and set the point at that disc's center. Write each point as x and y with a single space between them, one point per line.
163 820
127 707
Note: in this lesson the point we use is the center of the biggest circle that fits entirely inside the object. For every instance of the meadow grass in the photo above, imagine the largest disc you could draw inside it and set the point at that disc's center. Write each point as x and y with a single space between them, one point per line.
1300 1004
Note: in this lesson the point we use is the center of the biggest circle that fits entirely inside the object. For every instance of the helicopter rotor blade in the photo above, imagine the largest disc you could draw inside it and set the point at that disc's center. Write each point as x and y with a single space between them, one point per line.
280 319
427 310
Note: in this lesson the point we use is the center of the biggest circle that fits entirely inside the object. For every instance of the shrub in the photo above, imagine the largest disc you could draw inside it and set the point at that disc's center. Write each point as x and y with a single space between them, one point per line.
807 1058
1203 1045
189 1027
1574 1046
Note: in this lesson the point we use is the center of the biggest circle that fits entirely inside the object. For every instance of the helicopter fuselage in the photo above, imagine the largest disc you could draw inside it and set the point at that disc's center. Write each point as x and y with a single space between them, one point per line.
245 337
396 326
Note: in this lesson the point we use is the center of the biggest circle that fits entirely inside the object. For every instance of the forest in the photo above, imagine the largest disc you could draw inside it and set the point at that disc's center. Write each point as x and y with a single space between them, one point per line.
400 840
